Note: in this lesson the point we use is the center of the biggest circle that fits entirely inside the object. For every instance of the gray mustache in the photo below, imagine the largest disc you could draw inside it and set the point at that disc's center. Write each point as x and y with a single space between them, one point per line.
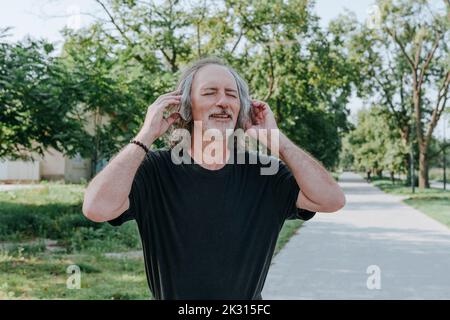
221 114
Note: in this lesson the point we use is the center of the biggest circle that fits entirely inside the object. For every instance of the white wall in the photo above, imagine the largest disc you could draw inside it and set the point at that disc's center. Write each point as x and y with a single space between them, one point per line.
19 170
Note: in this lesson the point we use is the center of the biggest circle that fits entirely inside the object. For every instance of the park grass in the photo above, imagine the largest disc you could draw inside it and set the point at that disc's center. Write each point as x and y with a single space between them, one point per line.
437 174
54 211
290 228
29 270
44 276
433 202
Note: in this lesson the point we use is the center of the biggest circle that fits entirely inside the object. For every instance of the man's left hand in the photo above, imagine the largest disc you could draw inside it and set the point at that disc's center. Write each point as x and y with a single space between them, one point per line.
262 117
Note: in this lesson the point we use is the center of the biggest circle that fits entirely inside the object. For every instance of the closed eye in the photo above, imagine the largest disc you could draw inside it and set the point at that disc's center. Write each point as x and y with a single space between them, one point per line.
211 93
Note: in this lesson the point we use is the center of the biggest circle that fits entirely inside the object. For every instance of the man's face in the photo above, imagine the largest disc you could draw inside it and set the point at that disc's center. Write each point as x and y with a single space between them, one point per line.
215 98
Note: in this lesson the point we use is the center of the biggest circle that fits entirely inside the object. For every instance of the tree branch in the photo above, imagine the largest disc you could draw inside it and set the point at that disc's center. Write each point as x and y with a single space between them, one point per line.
241 33
437 111
402 47
428 60
271 77
123 34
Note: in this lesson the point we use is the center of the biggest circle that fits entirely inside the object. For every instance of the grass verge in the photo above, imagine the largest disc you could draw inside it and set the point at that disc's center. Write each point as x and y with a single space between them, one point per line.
433 202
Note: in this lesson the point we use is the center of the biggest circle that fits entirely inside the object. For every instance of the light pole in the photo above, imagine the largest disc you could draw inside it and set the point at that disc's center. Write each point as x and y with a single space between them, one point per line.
411 156
411 153
443 151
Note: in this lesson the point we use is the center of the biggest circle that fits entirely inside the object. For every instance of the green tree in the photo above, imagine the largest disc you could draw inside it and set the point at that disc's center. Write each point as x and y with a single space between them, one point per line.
375 144
278 46
36 102
112 92
404 65
420 31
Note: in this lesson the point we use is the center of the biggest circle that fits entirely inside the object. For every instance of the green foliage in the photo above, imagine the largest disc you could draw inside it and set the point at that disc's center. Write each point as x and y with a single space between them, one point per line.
277 46
404 62
375 144
109 73
36 102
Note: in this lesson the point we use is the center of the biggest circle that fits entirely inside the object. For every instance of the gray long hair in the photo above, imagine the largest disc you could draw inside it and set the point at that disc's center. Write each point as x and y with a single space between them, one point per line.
185 85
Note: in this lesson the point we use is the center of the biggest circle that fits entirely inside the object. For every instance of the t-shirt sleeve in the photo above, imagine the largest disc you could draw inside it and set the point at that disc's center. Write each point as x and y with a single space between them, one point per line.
286 191
137 195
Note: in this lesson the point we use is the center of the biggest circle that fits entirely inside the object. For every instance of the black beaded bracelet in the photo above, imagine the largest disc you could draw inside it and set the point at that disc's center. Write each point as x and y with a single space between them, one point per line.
143 146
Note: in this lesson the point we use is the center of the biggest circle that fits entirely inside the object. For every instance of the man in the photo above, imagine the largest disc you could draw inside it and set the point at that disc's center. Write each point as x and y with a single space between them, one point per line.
209 227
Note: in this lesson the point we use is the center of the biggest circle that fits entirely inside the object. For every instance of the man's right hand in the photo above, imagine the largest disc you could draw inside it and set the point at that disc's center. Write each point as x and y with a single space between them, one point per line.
155 125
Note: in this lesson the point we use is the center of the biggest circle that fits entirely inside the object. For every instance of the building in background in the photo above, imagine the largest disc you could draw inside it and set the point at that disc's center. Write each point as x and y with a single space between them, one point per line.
53 165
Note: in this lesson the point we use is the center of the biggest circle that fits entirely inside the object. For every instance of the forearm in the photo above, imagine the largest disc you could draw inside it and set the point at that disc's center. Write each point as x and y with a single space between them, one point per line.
109 190
315 182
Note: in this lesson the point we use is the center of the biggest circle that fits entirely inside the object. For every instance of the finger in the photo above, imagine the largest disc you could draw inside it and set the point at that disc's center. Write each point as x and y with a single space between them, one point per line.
164 103
253 114
257 103
260 116
261 110
257 111
260 106
172 118
171 93
170 97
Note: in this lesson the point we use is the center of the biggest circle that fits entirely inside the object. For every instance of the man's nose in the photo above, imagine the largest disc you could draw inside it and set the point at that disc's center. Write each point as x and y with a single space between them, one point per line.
223 102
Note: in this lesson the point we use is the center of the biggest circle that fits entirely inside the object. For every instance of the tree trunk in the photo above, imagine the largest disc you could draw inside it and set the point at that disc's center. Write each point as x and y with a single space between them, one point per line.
94 159
423 170
379 173
368 176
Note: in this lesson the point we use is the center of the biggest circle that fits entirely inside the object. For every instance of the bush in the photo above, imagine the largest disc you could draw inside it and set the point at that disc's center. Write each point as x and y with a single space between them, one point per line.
104 239
20 250
54 212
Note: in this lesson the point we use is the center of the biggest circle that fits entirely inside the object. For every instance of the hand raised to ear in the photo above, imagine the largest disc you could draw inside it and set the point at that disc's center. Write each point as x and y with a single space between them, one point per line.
261 116
155 124
262 123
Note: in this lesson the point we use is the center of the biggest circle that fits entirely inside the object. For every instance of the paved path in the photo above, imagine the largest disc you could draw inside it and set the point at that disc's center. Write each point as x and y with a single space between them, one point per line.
329 257
440 185
8 187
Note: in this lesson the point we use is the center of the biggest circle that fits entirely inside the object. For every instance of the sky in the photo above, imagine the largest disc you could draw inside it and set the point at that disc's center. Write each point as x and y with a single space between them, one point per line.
45 18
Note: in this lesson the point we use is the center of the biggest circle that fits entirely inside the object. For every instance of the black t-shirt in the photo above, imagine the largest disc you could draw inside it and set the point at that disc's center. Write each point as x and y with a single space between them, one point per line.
209 234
